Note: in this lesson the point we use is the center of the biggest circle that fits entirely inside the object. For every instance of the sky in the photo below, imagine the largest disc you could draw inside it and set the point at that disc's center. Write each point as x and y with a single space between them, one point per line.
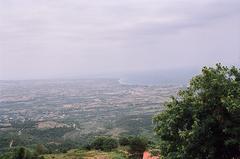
83 38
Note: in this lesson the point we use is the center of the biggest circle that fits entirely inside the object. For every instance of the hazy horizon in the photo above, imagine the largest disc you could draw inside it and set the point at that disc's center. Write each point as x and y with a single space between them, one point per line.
87 39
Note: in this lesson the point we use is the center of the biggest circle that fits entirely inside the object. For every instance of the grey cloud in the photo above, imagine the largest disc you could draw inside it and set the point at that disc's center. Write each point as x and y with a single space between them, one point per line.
190 17
60 37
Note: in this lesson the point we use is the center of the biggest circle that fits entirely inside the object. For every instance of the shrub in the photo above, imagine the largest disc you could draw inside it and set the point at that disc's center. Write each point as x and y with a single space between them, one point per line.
124 141
137 145
104 143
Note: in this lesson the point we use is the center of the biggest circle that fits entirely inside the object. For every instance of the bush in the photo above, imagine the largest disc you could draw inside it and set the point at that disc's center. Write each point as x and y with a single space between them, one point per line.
137 145
104 143
20 153
124 141
23 153
41 149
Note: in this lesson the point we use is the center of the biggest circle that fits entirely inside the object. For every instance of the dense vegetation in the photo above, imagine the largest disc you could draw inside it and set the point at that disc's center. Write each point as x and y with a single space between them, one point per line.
55 140
204 120
21 153
134 147
137 145
104 144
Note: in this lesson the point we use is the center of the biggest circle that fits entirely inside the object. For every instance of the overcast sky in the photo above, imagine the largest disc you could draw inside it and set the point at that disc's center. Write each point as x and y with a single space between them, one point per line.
79 38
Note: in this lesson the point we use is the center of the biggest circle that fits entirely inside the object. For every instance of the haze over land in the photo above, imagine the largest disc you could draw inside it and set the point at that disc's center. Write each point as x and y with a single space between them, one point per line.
53 112
108 38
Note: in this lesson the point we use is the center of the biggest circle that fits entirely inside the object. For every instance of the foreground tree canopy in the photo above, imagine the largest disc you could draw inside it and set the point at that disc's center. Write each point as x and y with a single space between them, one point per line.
204 120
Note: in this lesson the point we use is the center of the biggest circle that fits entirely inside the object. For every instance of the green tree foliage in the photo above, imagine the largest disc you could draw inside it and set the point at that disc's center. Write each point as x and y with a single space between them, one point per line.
20 153
204 120
104 143
7 155
124 141
23 153
41 149
137 145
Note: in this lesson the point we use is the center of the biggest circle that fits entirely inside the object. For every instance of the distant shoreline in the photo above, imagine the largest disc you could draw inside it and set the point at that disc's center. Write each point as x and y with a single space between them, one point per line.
124 82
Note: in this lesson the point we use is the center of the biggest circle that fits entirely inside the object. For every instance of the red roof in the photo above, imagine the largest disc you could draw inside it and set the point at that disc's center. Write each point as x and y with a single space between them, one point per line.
147 155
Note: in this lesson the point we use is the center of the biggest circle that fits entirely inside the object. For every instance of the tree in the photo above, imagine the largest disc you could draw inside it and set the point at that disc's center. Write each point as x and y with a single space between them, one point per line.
123 141
204 120
137 145
23 153
104 143
41 149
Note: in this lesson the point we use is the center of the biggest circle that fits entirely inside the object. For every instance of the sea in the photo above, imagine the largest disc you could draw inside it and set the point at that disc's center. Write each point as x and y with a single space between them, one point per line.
150 78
